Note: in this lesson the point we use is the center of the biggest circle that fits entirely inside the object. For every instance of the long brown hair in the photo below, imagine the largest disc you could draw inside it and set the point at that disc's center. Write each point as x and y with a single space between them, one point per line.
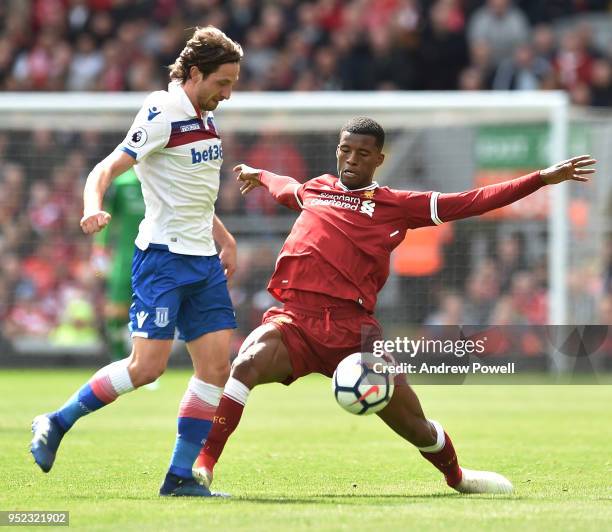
208 49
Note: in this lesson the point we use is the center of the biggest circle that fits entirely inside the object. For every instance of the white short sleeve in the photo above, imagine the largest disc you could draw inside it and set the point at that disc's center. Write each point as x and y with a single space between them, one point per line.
150 130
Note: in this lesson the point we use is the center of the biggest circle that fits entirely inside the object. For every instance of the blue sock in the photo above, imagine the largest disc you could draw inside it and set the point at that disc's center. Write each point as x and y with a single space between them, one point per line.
83 402
102 389
191 435
195 419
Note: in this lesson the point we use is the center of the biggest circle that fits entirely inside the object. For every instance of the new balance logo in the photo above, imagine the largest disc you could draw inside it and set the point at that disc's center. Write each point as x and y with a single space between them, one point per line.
367 207
141 317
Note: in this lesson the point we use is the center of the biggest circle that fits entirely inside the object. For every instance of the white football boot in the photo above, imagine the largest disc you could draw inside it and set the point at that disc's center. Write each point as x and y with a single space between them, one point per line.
203 476
482 482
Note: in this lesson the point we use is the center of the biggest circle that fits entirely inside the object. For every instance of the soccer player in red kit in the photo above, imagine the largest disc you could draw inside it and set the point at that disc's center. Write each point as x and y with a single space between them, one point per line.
328 274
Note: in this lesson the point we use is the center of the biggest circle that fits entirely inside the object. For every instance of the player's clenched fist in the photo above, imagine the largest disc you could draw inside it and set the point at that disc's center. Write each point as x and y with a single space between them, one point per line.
248 178
92 223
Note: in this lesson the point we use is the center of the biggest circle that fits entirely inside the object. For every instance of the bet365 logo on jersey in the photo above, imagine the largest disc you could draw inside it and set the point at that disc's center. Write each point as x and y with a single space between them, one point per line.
213 153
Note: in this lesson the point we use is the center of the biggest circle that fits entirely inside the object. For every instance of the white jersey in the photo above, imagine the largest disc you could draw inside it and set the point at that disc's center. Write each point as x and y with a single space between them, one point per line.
179 158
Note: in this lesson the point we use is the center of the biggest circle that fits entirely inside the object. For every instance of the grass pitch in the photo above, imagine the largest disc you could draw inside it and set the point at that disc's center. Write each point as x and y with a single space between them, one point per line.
299 462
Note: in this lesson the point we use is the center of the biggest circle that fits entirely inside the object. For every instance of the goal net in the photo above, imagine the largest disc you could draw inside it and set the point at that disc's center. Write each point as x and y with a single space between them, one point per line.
544 260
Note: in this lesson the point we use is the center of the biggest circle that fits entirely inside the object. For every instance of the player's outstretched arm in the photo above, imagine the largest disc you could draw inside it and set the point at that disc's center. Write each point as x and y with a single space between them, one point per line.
474 202
573 169
283 188
98 180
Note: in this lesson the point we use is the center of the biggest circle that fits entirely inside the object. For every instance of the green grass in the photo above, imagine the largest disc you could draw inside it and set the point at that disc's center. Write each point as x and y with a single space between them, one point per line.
298 462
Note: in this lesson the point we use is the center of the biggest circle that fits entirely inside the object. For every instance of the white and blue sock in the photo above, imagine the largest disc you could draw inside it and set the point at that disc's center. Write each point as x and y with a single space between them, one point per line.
195 419
102 389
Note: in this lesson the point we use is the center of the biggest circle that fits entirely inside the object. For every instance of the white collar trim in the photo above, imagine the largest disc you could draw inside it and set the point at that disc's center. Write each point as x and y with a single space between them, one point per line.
373 185
175 89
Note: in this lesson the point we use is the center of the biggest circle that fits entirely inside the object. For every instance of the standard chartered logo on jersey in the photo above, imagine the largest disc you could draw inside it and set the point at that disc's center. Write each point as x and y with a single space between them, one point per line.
344 201
367 207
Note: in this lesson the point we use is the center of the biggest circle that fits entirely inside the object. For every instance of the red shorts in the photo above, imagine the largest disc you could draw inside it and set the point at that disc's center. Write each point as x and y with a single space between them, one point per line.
318 337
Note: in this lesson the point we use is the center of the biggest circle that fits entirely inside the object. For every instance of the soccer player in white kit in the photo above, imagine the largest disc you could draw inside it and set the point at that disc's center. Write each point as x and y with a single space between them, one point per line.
178 279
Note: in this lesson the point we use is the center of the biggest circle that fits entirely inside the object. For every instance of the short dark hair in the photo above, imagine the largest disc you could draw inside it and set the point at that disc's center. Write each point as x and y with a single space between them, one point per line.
362 125
208 49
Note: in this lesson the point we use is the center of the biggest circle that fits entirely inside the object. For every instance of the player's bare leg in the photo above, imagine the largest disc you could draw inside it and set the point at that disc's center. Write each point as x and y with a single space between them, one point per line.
263 358
147 362
405 416
117 316
210 356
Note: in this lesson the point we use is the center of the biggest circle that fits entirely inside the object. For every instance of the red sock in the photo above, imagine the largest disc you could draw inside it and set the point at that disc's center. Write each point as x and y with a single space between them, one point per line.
445 460
225 422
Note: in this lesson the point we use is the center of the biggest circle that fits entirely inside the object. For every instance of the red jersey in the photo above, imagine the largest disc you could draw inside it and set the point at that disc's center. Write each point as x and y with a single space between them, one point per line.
341 243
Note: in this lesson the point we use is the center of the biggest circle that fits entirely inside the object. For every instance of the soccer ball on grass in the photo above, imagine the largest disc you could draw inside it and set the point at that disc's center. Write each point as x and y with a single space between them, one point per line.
360 386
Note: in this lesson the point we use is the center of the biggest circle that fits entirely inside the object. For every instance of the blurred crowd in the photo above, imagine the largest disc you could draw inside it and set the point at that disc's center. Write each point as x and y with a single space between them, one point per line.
508 290
118 45
48 287
50 291
505 287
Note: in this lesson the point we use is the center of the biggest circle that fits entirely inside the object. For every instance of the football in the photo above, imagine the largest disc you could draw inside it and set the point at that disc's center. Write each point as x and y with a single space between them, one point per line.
360 386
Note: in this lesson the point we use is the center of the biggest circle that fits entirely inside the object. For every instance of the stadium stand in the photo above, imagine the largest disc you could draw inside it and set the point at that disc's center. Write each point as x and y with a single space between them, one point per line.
123 45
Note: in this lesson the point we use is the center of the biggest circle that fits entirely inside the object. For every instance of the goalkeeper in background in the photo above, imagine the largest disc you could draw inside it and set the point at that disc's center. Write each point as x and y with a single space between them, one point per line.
112 255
